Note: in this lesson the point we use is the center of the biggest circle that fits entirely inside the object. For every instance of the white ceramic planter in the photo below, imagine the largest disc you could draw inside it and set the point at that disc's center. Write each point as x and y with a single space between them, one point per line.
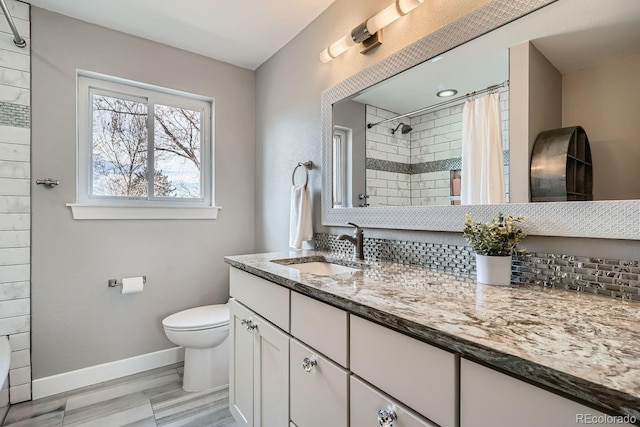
493 270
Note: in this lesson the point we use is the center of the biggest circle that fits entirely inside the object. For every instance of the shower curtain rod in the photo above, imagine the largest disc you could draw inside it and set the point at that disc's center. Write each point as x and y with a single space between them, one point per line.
443 103
17 40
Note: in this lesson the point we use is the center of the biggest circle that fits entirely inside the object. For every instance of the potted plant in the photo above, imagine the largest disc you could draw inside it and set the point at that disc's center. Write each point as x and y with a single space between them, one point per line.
494 243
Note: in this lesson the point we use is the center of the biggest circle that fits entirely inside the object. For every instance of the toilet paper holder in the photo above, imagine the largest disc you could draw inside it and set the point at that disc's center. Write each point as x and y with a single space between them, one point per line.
118 282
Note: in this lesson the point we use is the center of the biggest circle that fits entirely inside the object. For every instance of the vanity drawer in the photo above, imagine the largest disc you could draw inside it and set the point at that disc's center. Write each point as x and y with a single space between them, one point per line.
321 326
419 375
319 396
367 402
269 300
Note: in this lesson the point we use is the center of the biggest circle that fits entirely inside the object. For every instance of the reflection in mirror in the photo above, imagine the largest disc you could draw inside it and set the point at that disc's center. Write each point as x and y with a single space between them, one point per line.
563 72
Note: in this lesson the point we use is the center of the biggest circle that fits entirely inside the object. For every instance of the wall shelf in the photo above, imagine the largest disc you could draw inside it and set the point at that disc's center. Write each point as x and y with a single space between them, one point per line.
561 168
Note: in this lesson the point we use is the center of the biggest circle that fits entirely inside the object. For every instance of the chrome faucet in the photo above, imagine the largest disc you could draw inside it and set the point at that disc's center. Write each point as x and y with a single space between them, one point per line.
357 240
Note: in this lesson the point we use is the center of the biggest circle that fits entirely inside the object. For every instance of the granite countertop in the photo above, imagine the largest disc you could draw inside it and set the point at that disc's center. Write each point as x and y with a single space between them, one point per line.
578 344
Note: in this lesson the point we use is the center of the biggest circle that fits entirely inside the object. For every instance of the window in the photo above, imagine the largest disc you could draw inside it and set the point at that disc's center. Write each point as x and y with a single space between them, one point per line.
143 151
342 161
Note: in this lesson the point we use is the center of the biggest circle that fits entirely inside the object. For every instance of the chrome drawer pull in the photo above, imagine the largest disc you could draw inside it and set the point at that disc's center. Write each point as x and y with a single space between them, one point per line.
308 364
387 417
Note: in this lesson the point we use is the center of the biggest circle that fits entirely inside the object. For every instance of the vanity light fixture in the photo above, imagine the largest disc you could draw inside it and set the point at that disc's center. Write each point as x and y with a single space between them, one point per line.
445 93
367 33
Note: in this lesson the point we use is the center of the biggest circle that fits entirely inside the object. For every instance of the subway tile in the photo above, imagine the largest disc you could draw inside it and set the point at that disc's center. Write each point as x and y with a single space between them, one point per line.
18 9
15 273
15 60
14 169
14 152
14 78
13 308
15 187
20 376
23 26
20 341
20 359
14 256
15 325
15 95
20 393
14 135
15 204
14 290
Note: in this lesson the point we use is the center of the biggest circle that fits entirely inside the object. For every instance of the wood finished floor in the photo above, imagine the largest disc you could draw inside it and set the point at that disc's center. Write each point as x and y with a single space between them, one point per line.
152 398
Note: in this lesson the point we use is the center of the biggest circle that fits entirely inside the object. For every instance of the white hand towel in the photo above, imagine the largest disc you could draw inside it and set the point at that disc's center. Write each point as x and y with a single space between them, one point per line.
300 226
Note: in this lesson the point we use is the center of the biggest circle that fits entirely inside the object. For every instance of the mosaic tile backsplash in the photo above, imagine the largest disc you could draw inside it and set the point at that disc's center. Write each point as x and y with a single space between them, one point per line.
611 278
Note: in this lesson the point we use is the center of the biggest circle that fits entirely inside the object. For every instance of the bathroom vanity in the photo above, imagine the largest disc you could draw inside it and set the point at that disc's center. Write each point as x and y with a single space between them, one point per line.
391 344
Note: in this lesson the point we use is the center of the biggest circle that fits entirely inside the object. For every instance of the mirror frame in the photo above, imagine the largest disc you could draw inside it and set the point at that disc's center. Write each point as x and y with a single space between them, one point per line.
597 219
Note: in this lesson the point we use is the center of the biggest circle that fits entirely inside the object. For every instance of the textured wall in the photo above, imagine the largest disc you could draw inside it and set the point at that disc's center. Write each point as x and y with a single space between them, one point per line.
79 321
15 141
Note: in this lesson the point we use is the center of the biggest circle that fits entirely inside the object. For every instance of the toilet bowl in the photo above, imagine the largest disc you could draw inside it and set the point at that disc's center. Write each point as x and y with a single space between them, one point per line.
203 332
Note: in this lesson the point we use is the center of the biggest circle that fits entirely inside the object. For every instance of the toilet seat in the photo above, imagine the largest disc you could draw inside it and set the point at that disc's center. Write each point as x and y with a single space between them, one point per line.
199 318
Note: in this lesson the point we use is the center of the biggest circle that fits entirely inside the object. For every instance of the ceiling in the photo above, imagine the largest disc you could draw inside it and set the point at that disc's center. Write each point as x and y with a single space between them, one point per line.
571 34
244 33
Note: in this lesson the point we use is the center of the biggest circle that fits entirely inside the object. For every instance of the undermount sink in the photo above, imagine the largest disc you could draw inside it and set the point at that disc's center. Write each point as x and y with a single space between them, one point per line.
320 265
323 268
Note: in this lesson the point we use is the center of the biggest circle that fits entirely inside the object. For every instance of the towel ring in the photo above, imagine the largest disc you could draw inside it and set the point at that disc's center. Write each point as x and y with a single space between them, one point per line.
307 165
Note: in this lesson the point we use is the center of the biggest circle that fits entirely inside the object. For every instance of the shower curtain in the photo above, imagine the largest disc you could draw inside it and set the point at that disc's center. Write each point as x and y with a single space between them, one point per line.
482 164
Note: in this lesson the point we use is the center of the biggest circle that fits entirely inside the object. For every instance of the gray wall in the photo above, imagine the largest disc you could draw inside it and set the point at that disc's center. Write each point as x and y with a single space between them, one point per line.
288 92
78 321
289 86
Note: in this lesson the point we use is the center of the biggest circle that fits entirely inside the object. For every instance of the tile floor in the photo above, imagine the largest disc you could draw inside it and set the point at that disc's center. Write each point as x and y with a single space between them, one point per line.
152 398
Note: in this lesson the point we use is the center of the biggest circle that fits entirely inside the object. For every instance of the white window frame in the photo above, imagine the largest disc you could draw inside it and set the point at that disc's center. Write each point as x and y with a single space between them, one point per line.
89 206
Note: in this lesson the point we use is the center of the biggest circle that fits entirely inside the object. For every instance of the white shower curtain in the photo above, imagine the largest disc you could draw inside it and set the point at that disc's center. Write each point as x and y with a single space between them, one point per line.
482 164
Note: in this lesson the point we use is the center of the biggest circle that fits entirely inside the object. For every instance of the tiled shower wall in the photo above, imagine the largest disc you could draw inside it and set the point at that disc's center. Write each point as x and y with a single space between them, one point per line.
15 140
414 169
388 159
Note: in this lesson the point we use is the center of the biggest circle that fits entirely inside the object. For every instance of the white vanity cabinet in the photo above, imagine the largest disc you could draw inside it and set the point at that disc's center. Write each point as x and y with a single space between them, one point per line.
490 398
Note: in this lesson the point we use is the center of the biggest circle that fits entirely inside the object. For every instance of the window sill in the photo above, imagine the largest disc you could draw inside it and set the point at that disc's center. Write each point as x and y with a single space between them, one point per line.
82 211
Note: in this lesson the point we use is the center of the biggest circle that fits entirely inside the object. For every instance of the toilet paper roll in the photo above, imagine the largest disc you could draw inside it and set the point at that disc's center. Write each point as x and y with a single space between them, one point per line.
132 285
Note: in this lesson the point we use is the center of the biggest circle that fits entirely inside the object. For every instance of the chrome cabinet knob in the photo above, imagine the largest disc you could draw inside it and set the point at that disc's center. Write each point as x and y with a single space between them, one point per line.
249 325
308 364
386 417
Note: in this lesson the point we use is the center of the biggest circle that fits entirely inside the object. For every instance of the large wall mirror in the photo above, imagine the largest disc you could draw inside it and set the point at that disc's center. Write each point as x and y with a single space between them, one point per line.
393 150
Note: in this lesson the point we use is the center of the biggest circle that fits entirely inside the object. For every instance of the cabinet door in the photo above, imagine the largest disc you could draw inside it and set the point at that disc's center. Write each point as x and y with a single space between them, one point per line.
240 364
271 375
490 398
318 393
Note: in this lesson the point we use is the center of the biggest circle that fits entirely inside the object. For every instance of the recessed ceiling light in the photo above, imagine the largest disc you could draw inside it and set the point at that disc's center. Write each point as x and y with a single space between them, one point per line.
446 93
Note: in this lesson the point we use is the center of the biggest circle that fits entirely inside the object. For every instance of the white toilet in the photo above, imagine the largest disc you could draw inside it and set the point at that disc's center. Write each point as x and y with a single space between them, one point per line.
203 332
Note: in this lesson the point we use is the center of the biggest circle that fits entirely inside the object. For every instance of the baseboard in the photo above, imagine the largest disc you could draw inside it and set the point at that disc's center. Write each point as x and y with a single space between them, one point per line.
67 381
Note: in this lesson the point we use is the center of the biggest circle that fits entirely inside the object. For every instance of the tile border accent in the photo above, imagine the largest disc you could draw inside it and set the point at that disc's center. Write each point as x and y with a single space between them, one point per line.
15 115
611 278
424 167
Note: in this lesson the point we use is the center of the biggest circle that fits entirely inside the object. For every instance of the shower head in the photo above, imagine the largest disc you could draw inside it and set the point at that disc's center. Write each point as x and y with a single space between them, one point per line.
405 129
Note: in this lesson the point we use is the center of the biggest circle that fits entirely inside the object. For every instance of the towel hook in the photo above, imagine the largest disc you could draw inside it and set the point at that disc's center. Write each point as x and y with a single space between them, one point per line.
307 166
